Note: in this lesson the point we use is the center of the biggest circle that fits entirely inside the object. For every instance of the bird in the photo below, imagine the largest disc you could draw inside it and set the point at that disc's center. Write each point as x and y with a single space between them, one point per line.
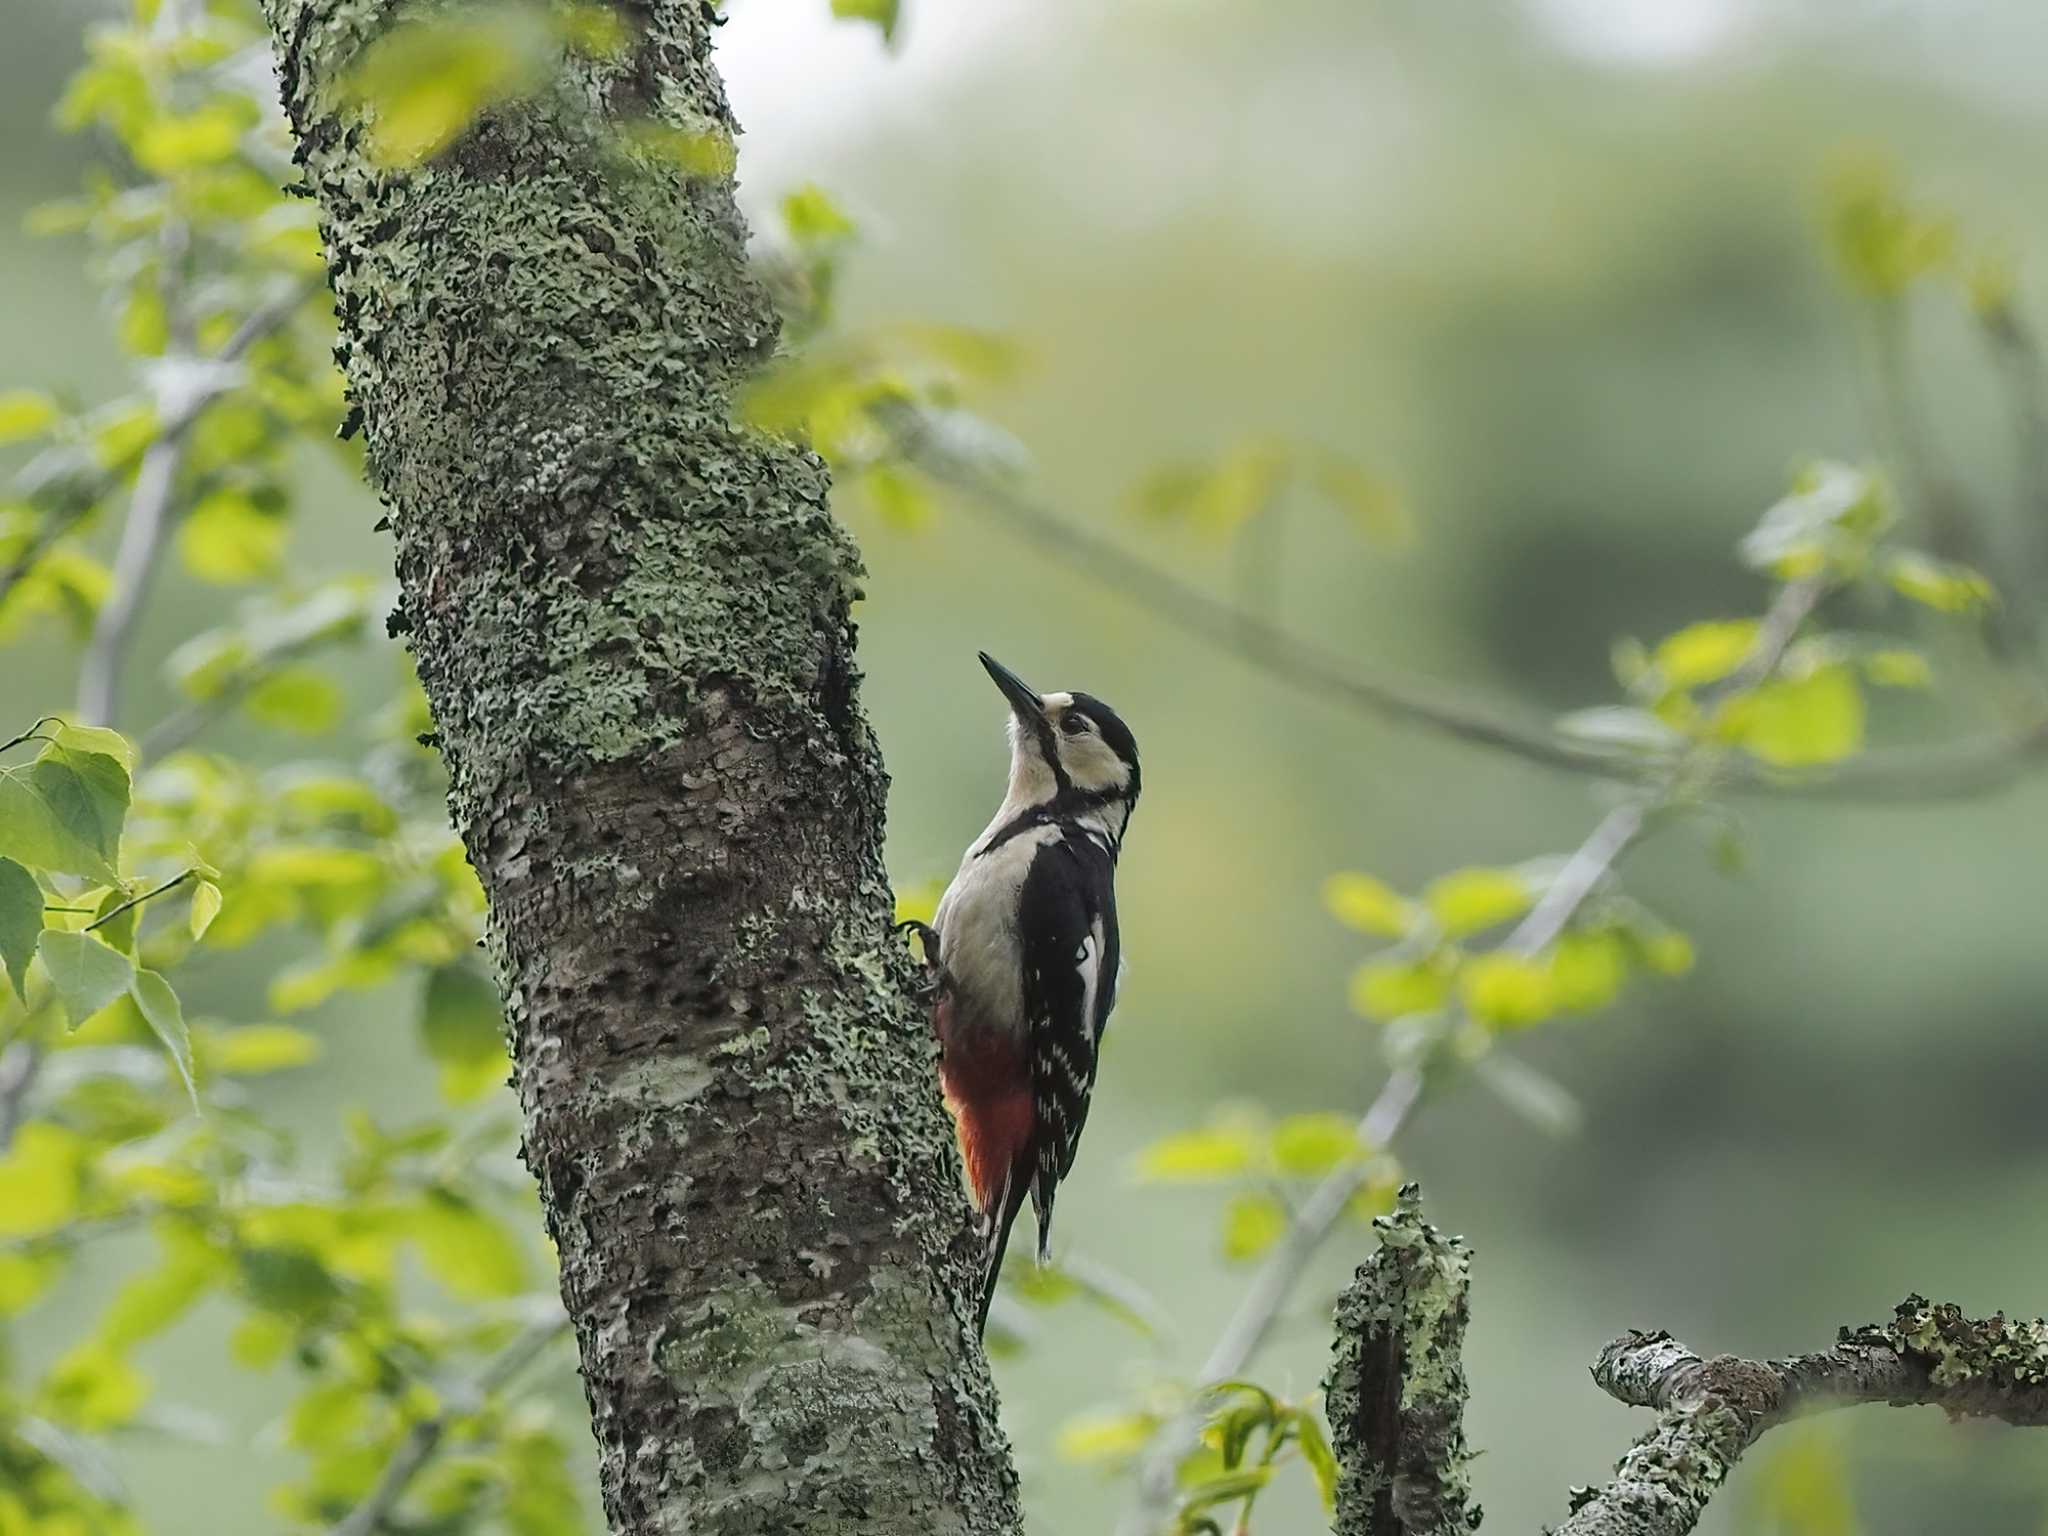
1028 956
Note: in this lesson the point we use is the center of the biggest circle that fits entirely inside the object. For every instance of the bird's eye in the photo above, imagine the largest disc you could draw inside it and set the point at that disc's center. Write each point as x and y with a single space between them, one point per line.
1073 722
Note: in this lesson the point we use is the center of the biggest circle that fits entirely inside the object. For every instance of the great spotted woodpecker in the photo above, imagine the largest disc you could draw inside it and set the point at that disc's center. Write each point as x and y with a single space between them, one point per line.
1027 956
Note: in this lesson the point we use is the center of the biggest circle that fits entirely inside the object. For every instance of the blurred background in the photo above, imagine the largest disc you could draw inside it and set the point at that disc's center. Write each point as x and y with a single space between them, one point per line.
1555 269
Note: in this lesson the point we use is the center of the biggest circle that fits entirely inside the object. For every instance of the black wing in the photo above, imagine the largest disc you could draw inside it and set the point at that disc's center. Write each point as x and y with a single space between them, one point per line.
1070 966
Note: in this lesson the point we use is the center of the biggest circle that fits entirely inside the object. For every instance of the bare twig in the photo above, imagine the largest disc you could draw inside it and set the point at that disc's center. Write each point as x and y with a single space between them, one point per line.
419 1446
19 1065
1711 1411
201 387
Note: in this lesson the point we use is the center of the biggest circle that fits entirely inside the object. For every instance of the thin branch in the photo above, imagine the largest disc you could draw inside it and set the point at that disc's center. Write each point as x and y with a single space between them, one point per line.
1711 1411
1264 644
135 563
18 1068
178 417
136 901
425 1438
1961 770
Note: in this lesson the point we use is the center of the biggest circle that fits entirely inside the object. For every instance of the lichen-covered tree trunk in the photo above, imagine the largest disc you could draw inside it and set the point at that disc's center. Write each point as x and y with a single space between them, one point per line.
631 619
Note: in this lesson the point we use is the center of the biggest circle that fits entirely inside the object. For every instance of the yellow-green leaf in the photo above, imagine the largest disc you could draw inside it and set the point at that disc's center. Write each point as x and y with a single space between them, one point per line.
1388 988
1316 1452
1307 1146
206 901
254 1049
25 413
92 1388
1898 669
174 141
165 1016
463 1029
1939 584
1794 722
297 698
1226 1150
1507 991
1105 1438
40 1179
467 1249
1587 968
21 920
1252 1223
228 539
1469 900
87 974
1704 653
1369 905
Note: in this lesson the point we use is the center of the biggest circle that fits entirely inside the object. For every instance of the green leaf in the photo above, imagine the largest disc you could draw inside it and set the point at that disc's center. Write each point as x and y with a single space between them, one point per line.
114 920
1613 725
424 83
166 1016
1105 1438
1369 905
96 738
41 1179
1508 991
179 141
87 795
150 1302
92 1388
1252 1223
1226 1150
883 13
1376 506
900 498
205 907
1316 1452
1389 988
1704 653
25 413
813 218
468 1250
1939 584
86 973
1587 968
228 539
463 1029
1226 1489
35 833
1469 900
21 919
1797 722
1898 668
297 698
1308 1146
255 1049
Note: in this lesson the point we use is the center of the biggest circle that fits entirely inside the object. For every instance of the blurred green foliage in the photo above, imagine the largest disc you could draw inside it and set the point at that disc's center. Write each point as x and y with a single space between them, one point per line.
270 845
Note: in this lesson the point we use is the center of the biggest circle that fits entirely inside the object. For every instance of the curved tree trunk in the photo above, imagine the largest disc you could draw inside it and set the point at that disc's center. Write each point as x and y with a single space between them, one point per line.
631 619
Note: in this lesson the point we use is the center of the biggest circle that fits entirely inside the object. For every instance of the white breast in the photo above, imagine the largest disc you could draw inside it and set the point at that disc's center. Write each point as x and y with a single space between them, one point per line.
978 940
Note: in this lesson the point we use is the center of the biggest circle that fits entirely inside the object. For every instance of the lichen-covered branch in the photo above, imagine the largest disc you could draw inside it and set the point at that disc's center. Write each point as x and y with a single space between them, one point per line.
1396 1390
1711 1411
631 618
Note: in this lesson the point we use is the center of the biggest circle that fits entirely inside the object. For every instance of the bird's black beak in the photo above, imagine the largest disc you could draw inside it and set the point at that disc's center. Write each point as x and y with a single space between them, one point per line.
1023 699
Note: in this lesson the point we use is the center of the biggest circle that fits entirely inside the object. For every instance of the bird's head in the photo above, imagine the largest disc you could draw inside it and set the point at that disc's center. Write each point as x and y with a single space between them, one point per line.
1068 751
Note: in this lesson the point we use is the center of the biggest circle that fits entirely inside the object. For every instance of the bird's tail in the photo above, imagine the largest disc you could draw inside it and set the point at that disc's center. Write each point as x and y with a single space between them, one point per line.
997 1221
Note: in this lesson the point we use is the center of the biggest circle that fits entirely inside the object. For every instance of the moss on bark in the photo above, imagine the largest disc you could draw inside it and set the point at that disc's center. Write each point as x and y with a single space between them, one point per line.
631 617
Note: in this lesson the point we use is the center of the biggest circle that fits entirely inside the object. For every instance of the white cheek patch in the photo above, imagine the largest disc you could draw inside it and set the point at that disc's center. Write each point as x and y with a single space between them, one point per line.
1091 764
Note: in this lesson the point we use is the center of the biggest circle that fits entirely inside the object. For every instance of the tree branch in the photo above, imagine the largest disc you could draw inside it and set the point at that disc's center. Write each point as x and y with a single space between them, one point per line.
1396 1391
1954 771
1711 1411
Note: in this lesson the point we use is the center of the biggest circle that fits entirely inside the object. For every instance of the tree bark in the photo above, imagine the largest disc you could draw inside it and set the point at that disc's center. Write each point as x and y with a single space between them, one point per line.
631 618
